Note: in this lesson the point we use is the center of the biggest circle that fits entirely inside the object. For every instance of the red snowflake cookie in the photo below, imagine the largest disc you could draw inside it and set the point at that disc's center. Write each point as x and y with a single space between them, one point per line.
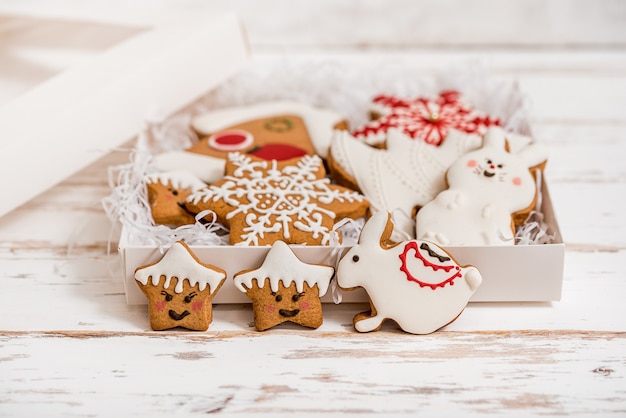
428 119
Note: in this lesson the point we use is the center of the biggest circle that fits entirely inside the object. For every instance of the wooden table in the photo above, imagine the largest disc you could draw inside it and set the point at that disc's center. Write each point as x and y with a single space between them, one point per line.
71 346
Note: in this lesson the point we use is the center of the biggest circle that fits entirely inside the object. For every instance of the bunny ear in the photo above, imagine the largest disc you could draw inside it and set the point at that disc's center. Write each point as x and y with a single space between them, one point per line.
534 154
377 230
495 137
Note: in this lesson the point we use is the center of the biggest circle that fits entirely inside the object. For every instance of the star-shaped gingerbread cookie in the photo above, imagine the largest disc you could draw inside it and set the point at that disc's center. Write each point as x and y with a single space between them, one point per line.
180 289
264 201
285 289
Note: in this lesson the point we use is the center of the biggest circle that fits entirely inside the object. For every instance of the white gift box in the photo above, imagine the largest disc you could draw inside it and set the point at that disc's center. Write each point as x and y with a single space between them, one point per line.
519 273
157 69
511 273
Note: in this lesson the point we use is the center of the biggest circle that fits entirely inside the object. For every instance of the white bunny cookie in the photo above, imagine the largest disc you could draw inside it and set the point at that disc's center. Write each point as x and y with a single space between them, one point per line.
486 188
415 283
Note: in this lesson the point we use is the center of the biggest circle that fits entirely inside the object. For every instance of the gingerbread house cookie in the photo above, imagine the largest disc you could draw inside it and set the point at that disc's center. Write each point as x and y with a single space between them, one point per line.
180 289
278 130
285 289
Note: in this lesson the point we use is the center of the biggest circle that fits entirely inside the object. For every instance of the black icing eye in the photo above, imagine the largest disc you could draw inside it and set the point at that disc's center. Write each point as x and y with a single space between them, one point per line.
189 297
278 298
175 192
355 258
168 297
489 161
297 297
500 165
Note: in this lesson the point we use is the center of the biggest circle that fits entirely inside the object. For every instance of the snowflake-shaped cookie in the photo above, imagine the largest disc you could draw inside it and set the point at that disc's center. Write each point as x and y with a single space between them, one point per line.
263 201
428 119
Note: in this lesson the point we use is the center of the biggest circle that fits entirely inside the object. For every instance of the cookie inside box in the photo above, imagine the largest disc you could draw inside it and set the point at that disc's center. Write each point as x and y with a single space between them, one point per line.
347 90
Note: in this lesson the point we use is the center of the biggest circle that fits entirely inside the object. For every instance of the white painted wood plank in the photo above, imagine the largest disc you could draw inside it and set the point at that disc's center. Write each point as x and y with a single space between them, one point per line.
521 373
434 24
584 153
84 292
362 24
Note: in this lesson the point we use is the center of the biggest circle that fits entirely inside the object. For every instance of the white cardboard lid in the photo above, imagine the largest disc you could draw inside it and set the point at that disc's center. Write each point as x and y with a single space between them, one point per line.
66 122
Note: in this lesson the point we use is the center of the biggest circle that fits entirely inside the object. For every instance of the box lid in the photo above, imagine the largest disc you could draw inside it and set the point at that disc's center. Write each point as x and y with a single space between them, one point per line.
52 126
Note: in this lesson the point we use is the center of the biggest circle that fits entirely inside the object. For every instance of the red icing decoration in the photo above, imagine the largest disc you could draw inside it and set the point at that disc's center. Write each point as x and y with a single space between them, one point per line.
230 139
160 305
412 245
428 119
278 152
197 306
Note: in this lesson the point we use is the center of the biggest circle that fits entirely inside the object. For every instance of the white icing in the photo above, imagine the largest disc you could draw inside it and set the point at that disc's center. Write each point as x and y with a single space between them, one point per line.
476 209
179 262
204 167
319 122
408 173
274 196
282 265
179 179
418 309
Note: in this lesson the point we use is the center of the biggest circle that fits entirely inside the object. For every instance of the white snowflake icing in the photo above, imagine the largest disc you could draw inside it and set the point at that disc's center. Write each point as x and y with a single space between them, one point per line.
270 197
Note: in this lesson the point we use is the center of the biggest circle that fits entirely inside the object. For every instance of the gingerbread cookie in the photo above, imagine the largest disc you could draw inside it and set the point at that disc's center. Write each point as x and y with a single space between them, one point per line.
284 289
423 118
272 131
487 188
166 195
264 201
180 289
404 176
415 283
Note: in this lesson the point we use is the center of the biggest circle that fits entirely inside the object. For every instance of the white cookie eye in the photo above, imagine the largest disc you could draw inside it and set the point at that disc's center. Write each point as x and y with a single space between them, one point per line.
231 140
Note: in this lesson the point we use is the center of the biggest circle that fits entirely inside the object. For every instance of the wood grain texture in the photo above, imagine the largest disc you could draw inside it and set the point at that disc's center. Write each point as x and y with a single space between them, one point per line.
435 24
377 24
294 372
70 346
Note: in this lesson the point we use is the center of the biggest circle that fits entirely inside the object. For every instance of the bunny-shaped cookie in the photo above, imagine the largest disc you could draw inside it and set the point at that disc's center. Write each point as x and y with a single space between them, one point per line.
415 283
485 188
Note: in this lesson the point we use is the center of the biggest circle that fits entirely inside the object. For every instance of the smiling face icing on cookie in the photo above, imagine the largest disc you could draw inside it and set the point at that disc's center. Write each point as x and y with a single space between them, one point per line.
491 171
487 187
285 289
180 289
286 304
169 308
494 165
